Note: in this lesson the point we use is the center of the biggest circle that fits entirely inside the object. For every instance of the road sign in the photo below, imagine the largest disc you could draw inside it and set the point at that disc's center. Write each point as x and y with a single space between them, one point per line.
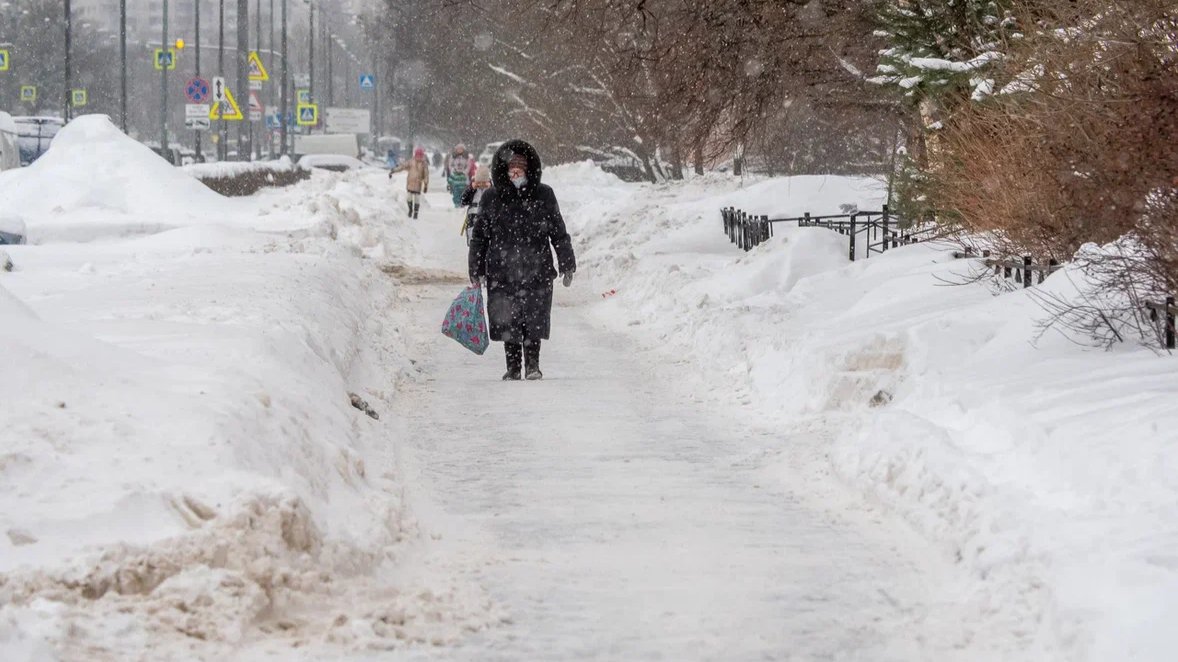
257 71
5 59
304 96
255 84
302 80
307 114
192 110
28 93
165 58
224 105
367 82
255 106
347 120
197 90
198 123
273 118
78 98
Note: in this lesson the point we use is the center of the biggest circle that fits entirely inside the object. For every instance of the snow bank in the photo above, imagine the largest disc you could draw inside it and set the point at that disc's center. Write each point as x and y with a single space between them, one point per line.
95 182
181 469
235 168
1047 470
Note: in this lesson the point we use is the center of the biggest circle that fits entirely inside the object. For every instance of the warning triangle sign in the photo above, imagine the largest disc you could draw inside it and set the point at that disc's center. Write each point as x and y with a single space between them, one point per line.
255 103
257 71
227 109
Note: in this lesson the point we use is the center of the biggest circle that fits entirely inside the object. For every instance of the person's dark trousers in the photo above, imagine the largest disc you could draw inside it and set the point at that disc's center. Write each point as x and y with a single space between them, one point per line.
416 208
515 353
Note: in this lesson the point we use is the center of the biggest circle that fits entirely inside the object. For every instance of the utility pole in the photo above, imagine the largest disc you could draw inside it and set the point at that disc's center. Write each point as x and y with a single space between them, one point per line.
122 64
285 111
164 89
69 101
255 130
270 90
199 154
222 130
311 53
243 34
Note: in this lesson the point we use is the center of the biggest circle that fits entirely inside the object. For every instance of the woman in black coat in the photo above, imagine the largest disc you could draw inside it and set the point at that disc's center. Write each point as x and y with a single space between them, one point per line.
518 226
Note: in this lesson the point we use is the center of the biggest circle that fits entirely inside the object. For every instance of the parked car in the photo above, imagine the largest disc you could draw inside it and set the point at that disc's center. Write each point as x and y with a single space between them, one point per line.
333 162
488 153
34 135
12 230
9 150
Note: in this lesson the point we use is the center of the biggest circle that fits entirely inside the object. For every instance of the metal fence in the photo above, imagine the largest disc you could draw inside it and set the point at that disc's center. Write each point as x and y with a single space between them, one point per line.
873 231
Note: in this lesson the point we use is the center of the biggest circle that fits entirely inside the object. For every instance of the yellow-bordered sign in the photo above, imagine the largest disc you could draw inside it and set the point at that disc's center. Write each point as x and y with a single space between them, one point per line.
5 59
165 58
257 70
28 93
226 109
79 98
307 114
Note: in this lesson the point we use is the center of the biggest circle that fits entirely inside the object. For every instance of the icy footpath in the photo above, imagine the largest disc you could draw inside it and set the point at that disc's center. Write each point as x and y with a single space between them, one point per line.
1046 469
181 471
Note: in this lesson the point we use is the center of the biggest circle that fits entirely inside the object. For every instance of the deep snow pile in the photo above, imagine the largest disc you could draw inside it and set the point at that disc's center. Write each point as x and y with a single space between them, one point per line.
1047 468
181 470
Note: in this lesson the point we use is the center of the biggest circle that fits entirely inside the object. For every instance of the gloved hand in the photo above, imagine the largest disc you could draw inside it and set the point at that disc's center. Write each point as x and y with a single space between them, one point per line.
567 278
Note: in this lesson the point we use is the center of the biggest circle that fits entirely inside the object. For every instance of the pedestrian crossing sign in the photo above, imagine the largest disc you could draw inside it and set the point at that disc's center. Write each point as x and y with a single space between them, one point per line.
78 98
165 58
226 108
367 82
304 95
307 114
257 71
28 93
4 59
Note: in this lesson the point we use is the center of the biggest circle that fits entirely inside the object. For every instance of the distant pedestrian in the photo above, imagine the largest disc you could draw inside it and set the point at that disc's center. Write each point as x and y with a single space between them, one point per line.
417 182
471 198
518 226
458 172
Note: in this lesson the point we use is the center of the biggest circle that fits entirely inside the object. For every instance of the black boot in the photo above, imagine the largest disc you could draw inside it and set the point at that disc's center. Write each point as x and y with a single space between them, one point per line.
410 210
532 360
514 353
416 208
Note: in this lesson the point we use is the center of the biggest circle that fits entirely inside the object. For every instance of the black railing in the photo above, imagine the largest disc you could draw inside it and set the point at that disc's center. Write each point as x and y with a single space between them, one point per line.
1163 312
880 230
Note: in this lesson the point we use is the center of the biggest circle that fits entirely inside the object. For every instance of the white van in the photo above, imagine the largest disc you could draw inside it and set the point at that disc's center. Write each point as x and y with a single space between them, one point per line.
343 144
9 149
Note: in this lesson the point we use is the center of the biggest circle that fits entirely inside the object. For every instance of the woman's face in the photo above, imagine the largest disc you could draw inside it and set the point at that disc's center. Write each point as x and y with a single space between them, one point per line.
482 184
516 171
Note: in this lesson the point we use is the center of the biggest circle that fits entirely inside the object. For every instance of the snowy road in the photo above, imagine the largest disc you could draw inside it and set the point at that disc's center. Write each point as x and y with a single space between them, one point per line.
614 519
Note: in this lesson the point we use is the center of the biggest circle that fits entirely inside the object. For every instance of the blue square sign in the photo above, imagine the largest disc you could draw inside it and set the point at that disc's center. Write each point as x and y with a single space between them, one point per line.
367 81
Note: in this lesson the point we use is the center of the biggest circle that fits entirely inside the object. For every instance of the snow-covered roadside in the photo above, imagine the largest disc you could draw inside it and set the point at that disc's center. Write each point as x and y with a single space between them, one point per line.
181 469
1049 470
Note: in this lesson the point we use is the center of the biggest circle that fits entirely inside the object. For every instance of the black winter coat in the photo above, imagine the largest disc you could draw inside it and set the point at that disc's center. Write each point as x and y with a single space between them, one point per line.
511 249
517 229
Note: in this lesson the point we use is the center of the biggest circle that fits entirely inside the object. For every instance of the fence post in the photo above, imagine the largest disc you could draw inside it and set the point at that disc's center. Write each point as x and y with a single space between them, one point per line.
768 227
806 219
1026 271
885 221
1170 322
852 231
724 217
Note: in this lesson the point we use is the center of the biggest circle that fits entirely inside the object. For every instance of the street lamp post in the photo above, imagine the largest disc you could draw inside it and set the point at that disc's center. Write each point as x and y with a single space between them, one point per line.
123 64
285 84
311 52
164 89
243 33
223 128
199 153
256 135
68 83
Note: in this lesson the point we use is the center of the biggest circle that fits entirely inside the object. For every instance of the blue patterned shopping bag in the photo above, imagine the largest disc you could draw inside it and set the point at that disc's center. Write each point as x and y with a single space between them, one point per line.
465 321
